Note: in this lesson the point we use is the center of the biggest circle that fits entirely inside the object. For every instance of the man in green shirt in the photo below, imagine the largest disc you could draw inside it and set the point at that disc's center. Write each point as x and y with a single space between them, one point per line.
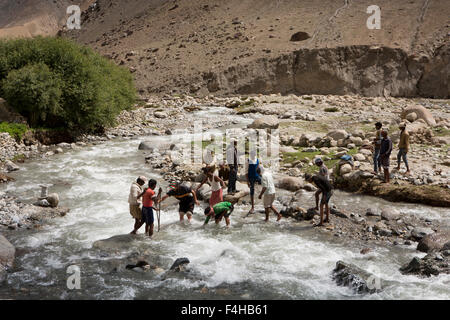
219 211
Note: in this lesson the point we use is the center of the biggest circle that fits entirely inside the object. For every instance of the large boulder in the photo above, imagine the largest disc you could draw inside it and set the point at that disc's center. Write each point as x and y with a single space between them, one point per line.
419 233
290 183
116 243
265 122
146 146
432 264
433 242
338 134
7 254
390 214
360 281
421 113
11 166
346 168
53 200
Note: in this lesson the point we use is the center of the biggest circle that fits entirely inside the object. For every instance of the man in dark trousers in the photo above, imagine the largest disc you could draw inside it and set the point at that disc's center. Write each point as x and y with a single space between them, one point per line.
385 153
376 148
232 159
327 191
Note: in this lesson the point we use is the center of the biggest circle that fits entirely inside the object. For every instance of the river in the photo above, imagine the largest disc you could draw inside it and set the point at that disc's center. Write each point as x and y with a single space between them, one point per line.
250 260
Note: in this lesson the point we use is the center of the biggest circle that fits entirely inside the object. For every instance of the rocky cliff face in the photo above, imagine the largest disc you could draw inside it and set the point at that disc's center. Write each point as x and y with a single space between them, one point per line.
364 70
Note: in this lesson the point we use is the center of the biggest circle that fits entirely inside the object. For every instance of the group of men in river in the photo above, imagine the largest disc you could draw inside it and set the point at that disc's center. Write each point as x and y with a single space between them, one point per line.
219 176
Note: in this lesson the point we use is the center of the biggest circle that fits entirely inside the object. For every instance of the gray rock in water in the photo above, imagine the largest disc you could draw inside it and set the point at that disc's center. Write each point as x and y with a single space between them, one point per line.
432 264
11 166
419 233
359 280
115 243
179 264
53 200
372 212
434 242
7 255
145 146
390 214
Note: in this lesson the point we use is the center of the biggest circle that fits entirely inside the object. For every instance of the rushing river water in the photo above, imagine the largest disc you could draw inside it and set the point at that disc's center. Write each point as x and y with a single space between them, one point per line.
251 260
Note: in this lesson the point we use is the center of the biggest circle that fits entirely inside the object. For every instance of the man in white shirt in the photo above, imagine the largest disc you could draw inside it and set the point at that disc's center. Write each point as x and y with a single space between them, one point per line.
268 190
135 203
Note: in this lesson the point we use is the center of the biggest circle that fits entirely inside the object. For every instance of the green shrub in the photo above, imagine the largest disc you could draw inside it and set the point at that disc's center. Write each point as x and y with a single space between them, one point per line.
57 83
15 130
331 109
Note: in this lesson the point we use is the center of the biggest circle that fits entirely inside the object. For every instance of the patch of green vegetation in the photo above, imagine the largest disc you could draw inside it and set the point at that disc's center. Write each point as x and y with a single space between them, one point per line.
310 126
331 109
55 82
441 132
290 157
15 130
19 158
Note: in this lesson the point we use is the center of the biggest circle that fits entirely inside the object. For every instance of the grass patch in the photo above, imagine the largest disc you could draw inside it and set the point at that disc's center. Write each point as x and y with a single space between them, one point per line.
441 132
331 109
308 126
15 130
19 158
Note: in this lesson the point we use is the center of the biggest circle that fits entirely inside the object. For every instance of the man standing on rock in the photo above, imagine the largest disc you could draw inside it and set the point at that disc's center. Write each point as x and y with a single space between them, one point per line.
385 153
135 203
327 191
232 159
268 191
323 171
187 198
403 147
377 146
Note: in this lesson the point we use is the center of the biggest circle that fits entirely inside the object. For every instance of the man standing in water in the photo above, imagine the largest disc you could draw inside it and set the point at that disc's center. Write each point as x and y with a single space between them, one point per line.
385 153
327 191
268 191
252 177
233 163
403 147
187 198
376 148
148 196
135 203
219 211
323 171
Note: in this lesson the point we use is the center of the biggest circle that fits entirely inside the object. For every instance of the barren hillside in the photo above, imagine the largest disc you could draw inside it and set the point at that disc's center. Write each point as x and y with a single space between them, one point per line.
225 47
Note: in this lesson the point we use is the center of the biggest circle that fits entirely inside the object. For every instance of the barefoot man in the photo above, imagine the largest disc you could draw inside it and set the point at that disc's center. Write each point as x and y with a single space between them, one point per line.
219 211
135 203
323 171
327 191
403 147
187 198
268 191
385 153
148 197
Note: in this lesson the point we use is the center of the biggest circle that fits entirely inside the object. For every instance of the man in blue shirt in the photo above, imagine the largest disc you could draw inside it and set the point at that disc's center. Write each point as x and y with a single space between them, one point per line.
252 177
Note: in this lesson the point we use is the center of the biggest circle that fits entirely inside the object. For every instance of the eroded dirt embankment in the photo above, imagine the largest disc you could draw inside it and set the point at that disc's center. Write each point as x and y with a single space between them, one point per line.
364 70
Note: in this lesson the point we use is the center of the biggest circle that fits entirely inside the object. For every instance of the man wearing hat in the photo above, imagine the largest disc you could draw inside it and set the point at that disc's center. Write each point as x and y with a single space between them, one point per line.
323 171
135 203
403 147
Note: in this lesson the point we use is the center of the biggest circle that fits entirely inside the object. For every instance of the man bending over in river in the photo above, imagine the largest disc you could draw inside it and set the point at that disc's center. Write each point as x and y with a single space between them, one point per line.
219 211
187 198
148 196
327 191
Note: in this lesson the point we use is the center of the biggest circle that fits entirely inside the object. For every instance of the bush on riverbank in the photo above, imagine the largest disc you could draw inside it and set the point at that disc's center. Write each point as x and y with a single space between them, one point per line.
15 130
57 83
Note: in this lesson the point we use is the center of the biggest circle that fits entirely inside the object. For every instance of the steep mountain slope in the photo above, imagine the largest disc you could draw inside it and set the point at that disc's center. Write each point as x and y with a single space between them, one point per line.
28 18
236 46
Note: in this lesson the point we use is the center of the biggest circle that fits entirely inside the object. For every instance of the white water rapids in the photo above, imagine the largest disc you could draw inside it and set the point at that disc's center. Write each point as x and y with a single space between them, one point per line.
253 260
